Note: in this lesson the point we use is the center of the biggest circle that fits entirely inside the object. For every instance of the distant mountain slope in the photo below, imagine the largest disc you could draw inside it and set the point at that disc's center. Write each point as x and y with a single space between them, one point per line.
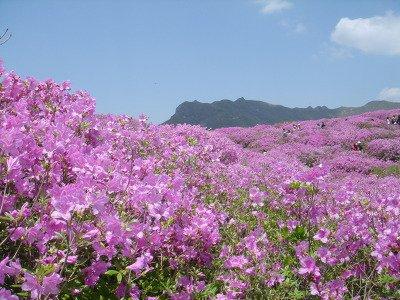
245 113
370 106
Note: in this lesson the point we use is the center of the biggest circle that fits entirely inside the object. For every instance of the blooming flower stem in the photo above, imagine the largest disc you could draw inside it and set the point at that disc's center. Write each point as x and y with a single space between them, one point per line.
128 283
6 238
16 252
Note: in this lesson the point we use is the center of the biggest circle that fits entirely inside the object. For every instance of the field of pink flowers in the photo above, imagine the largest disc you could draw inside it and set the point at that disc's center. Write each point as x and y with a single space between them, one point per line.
111 207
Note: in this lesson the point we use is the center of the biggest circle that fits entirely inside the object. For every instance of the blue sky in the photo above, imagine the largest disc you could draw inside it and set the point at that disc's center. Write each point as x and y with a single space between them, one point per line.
294 53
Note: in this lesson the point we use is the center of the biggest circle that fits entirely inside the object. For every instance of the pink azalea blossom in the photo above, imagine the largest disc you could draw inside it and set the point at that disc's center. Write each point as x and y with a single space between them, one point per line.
94 271
141 263
308 266
239 262
7 295
48 287
322 235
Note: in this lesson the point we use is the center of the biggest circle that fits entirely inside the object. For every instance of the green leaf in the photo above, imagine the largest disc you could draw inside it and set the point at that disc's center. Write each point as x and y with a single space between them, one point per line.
296 294
119 277
386 279
44 270
298 234
192 141
295 185
6 219
168 222
211 289
111 272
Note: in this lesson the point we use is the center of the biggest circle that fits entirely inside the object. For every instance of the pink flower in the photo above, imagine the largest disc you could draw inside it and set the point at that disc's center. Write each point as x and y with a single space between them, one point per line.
31 284
121 290
7 295
93 272
12 163
308 266
334 289
325 255
141 263
228 296
10 268
190 286
72 259
134 293
236 262
314 289
49 285
4 269
301 248
17 233
274 279
322 235
256 196
274 276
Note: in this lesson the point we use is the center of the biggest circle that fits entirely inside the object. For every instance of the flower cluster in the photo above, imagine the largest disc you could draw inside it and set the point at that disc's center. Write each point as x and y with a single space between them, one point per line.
101 205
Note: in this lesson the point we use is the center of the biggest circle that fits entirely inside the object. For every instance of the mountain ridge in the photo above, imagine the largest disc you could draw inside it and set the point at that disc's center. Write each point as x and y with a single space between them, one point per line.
247 113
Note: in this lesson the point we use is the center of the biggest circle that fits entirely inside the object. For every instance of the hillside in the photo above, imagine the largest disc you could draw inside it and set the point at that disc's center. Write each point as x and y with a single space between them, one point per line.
246 113
111 207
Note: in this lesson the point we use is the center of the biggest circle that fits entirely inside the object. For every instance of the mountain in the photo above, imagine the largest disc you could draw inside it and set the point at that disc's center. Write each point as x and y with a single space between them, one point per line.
246 113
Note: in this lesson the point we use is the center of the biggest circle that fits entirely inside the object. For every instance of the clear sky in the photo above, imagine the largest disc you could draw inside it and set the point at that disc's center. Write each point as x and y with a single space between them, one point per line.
147 56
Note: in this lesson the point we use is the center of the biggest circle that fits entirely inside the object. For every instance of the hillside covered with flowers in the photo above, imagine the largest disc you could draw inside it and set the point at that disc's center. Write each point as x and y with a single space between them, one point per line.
112 206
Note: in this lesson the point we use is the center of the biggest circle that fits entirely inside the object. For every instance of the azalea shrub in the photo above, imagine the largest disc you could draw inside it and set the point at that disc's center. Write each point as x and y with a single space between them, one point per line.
112 207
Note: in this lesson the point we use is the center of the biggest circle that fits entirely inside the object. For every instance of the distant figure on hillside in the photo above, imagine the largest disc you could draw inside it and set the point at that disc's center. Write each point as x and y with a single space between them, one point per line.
286 132
296 126
322 124
358 146
393 120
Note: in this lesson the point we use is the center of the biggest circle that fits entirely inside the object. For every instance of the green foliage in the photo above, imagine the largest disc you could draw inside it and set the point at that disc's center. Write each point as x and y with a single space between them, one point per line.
44 270
192 141
104 289
393 170
387 279
210 291
298 234
297 185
